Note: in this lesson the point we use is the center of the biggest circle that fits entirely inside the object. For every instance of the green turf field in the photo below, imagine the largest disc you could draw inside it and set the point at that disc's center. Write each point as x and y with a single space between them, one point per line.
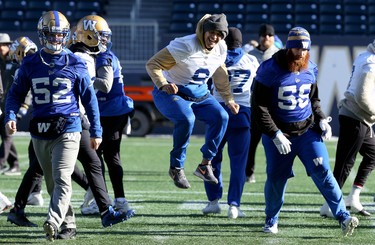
168 215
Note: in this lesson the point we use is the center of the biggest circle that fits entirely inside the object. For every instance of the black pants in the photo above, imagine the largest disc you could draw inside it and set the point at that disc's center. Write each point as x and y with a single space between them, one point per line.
91 164
255 137
8 152
354 137
109 150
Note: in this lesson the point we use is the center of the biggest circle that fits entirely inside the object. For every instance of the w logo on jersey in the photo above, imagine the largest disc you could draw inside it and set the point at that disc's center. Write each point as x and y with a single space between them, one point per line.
89 25
318 161
43 127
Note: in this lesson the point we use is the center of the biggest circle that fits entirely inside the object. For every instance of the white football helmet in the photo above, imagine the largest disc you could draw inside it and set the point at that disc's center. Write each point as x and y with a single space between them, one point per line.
53 31
20 47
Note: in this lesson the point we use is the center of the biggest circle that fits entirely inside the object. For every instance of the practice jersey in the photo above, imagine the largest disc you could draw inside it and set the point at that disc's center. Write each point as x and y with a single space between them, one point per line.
115 102
193 66
90 63
289 91
241 76
57 83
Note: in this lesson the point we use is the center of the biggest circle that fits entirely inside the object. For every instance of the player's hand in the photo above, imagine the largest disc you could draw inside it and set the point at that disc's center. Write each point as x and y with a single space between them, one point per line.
282 143
95 143
11 127
170 88
234 107
326 128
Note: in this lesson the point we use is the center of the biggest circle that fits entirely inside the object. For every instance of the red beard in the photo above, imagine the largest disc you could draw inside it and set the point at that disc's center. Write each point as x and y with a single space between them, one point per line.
295 63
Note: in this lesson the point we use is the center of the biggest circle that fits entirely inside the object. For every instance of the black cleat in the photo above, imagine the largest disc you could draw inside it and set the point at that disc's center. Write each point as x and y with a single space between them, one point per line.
51 231
68 233
19 218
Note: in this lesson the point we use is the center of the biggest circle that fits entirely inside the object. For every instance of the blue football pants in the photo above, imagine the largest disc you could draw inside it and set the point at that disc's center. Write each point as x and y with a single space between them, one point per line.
313 153
237 138
183 114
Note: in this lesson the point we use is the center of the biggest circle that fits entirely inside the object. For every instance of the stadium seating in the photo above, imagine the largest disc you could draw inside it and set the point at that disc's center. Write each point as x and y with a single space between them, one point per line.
14 5
319 16
23 14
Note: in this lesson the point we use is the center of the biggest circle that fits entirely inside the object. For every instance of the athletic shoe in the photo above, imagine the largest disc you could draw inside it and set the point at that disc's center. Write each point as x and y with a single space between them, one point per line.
51 231
325 211
88 198
250 179
205 173
35 199
3 169
121 205
90 209
179 178
68 233
270 228
14 171
353 203
235 212
19 218
112 217
212 208
349 225
5 204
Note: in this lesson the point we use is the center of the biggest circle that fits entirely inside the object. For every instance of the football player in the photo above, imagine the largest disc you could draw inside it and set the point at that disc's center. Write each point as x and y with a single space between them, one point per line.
58 80
180 73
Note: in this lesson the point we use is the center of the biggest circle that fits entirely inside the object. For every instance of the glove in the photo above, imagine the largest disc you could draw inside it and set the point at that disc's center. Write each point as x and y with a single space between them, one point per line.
324 126
282 143
22 112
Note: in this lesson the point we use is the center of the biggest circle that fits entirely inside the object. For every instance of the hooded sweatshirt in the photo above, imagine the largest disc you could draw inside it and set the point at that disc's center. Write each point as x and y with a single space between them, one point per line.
177 63
359 102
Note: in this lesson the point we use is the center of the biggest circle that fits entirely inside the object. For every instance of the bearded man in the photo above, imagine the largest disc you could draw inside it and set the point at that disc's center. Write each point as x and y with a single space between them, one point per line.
287 110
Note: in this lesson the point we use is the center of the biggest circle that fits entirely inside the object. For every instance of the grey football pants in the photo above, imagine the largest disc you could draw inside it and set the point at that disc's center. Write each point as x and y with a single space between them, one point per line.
57 158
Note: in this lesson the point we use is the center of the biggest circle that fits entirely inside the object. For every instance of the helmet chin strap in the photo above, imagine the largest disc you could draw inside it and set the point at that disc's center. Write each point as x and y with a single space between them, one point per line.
55 48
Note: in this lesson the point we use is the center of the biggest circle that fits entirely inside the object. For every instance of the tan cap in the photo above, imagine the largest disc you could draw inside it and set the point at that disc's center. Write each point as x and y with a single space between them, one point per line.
4 38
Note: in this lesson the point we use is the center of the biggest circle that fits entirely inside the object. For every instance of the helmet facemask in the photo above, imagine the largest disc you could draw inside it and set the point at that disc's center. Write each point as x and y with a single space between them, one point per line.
53 31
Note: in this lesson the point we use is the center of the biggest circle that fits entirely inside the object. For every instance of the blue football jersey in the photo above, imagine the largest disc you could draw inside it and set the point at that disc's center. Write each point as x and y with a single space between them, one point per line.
290 91
115 102
57 83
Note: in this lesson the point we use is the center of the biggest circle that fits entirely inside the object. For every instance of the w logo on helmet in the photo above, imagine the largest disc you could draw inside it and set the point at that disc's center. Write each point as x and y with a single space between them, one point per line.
89 25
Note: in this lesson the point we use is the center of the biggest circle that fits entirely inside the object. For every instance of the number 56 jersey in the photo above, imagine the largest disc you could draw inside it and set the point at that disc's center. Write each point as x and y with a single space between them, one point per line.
289 91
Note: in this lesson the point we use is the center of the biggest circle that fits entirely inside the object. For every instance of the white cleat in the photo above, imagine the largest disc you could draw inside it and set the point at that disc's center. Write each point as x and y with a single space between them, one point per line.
271 229
325 211
35 199
90 209
5 204
235 212
349 225
121 205
212 208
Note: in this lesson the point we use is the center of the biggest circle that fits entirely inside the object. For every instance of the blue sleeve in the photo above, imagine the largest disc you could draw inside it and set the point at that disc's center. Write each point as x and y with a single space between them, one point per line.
104 59
16 95
90 103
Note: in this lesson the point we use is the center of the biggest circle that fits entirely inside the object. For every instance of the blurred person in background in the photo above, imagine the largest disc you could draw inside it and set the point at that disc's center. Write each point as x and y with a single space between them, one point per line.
8 152
241 72
265 49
